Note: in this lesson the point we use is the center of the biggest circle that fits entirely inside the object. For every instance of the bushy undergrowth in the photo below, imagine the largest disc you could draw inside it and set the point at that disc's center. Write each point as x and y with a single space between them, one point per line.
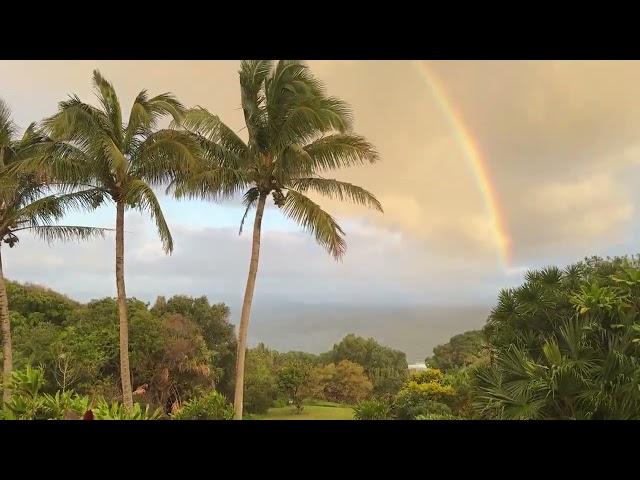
211 406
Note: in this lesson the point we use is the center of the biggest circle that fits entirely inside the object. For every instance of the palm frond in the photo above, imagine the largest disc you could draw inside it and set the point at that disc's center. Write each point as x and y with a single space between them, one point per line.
312 218
140 195
336 189
111 105
213 183
250 198
51 233
253 74
146 112
310 117
202 122
165 154
340 151
76 121
8 128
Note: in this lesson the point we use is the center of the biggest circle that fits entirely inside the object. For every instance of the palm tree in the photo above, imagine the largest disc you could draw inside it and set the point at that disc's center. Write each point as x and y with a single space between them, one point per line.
121 163
27 203
582 363
296 133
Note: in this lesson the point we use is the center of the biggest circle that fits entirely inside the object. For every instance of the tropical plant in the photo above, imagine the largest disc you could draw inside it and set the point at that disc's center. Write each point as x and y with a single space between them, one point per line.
93 147
212 406
117 411
296 133
29 403
372 410
27 203
565 346
63 403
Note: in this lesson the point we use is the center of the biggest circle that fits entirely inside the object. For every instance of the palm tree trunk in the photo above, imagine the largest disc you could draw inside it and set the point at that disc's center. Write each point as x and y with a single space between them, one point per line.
7 360
246 309
125 373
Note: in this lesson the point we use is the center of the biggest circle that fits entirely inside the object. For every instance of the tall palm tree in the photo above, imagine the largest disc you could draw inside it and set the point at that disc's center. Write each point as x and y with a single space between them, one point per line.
296 133
27 203
121 162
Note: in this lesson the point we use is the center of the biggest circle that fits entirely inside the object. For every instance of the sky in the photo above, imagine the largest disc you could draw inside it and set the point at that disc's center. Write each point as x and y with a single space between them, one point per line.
487 168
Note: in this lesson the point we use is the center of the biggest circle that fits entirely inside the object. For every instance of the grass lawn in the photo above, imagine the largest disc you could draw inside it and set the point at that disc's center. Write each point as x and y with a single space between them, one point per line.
315 411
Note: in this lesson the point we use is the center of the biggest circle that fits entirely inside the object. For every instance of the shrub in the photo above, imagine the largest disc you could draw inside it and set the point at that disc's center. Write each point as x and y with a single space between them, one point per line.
372 410
422 398
27 403
427 376
437 416
345 382
61 403
212 406
410 407
116 411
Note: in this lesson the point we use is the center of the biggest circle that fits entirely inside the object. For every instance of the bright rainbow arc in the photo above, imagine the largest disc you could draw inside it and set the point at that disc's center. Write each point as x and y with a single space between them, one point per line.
476 161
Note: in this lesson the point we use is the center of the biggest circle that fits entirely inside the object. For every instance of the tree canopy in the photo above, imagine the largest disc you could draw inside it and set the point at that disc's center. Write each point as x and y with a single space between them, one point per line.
565 345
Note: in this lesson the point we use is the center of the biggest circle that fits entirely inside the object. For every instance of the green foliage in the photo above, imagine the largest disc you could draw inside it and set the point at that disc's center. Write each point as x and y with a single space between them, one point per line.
461 402
345 382
174 350
215 329
117 411
27 382
423 394
29 403
565 345
260 382
39 304
410 404
460 351
114 159
437 416
26 402
62 403
212 406
28 199
304 357
294 381
372 410
427 376
385 367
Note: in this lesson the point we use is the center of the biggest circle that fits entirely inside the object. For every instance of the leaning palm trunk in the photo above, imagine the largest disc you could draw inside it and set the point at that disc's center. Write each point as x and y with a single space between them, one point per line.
246 309
125 374
6 339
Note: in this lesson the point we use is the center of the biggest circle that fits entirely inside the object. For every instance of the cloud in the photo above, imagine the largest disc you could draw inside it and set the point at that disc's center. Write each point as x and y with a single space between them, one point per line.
573 215
560 140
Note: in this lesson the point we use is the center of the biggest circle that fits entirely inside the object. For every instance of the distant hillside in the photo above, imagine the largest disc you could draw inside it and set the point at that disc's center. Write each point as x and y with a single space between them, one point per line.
315 328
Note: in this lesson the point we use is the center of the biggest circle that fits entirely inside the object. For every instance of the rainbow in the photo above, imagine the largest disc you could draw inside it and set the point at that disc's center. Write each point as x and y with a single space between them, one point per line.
476 161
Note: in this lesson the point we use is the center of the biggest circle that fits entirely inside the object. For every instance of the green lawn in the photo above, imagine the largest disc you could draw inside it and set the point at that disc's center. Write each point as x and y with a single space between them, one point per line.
317 411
